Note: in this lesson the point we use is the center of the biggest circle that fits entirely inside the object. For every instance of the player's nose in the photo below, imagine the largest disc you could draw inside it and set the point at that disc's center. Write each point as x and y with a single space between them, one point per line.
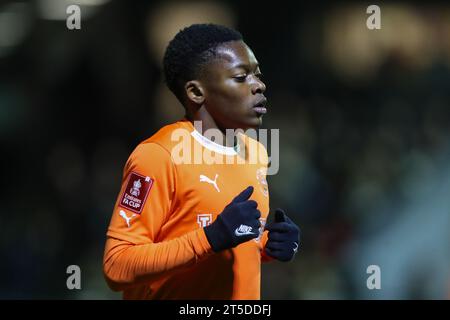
259 86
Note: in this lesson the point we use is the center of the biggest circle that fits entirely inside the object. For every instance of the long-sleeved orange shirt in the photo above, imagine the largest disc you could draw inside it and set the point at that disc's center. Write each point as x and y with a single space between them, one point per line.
156 247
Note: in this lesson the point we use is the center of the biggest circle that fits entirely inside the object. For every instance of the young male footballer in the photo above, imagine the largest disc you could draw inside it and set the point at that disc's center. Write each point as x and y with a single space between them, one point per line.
195 229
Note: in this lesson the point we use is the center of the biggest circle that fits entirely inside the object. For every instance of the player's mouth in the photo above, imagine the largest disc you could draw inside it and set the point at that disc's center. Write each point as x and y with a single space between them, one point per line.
261 106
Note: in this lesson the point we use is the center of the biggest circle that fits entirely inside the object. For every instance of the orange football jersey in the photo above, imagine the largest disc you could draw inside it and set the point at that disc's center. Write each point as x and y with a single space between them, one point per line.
156 247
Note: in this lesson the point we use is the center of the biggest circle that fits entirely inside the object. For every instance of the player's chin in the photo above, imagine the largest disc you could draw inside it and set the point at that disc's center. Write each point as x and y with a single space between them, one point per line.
251 123
251 120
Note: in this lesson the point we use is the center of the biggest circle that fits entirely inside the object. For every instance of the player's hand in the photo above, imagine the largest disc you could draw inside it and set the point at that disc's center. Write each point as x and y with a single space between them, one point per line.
238 223
283 238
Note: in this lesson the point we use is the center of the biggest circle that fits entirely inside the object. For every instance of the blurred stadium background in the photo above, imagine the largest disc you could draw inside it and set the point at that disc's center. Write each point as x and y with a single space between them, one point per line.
364 120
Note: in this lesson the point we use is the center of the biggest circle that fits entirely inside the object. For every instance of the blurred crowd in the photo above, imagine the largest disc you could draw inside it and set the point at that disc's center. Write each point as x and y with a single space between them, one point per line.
364 119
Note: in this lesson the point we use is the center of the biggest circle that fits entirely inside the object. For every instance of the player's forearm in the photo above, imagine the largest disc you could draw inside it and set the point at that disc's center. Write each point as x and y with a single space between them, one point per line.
127 265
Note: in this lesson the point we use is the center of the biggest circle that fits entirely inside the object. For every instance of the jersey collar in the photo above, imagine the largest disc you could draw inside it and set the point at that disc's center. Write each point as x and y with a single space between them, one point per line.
211 145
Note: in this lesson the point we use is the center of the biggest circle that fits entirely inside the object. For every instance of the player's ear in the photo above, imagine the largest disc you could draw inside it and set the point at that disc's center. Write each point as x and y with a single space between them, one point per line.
194 92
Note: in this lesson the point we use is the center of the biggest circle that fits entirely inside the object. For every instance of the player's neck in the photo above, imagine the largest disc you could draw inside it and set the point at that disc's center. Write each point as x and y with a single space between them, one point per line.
207 122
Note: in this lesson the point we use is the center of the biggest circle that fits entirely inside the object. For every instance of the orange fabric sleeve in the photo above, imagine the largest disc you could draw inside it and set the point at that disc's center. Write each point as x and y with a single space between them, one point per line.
133 252
265 235
264 256
126 264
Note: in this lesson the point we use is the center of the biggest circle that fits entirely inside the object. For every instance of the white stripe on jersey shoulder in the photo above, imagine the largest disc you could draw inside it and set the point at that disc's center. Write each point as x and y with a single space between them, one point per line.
211 145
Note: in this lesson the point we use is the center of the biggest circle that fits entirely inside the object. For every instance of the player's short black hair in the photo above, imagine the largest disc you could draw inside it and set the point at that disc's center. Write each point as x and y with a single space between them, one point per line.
189 50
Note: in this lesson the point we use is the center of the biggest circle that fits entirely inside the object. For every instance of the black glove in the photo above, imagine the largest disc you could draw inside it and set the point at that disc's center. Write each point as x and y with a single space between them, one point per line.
283 238
238 223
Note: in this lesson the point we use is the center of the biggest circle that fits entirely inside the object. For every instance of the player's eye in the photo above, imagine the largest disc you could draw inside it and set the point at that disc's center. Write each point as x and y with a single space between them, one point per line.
240 78
259 75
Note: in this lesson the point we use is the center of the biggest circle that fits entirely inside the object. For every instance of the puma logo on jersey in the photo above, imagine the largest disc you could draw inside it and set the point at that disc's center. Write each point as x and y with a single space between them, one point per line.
208 180
127 219
243 230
